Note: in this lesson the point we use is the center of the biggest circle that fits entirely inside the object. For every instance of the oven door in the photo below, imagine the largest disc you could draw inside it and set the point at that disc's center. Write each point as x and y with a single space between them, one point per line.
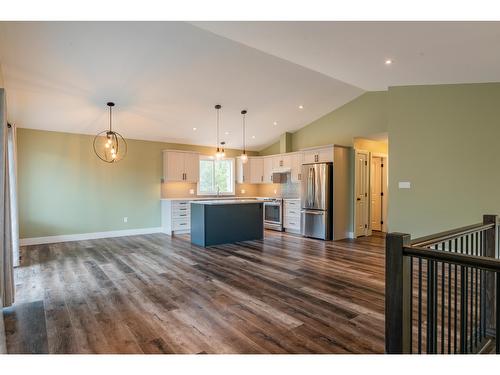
272 213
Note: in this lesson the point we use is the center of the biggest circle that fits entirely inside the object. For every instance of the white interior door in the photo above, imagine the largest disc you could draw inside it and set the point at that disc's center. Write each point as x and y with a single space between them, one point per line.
376 177
361 182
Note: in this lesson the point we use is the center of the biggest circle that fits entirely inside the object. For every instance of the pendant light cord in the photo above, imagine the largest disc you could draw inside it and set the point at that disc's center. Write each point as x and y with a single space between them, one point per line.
244 148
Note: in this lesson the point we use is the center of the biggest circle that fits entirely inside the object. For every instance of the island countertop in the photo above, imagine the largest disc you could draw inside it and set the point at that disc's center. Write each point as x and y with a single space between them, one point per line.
228 201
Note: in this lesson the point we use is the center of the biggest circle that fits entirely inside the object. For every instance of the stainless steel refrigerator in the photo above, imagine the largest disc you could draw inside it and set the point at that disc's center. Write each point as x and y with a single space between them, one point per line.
317 200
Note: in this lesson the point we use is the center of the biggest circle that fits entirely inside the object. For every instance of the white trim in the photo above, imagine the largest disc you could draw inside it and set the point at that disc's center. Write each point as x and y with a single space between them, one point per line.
351 235
88 236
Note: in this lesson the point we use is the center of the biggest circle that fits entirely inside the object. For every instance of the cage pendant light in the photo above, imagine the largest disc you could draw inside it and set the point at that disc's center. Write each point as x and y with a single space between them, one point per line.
219 153
244 156
110 146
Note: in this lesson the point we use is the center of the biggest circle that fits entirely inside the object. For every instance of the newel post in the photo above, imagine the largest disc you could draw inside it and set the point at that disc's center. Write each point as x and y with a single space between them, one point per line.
397 294
490 250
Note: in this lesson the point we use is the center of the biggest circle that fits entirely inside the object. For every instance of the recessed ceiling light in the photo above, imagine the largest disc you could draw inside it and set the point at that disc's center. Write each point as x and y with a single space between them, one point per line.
226 133
301 106
388 62
253 136
194 129
275 123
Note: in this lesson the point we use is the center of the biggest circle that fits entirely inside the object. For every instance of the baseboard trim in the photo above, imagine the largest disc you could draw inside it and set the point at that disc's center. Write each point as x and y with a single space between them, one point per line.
351 235
88 236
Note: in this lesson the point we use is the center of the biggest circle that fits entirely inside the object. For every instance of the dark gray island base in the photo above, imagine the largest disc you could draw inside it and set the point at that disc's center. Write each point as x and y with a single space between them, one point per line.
226 221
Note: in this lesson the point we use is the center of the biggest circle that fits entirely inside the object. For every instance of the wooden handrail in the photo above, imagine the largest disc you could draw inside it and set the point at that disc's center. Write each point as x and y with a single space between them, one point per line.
485 263
450 234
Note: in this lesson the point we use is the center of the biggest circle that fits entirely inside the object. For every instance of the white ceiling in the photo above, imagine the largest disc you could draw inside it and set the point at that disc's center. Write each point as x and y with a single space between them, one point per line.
166 76
354 52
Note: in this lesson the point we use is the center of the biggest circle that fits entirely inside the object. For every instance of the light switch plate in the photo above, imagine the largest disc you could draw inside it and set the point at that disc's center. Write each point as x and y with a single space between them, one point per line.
243 191
404 184
191 191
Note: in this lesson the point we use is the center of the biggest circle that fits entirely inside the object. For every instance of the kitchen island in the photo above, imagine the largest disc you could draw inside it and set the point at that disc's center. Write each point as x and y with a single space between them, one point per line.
215 222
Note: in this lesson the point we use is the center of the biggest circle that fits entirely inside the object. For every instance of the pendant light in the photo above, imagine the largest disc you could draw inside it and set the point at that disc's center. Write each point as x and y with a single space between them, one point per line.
244 156
110 146
220 153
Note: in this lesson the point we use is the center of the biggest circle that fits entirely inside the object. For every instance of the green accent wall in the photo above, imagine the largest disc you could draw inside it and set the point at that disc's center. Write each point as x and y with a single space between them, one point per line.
444 140
65 189
271 150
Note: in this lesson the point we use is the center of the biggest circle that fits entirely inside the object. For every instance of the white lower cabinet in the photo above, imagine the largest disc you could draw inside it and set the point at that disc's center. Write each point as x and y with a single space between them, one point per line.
175 216
291 215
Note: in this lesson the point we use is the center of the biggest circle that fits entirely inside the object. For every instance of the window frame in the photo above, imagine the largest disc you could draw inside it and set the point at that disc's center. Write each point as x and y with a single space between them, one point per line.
232 179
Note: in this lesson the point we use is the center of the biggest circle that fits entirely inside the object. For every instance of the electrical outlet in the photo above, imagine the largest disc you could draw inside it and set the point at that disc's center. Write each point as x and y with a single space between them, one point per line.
191 191
243 191
125 219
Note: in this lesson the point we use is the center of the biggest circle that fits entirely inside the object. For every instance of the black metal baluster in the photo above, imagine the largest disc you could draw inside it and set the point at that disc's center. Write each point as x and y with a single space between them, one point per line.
449 301
482 329
430 306
476 273
455 311
411 305
497 313
419 305
463 312
442 304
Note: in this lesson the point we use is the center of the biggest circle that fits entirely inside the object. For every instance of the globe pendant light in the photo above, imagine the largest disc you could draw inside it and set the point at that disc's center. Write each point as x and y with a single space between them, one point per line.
244 156
110 146
219 153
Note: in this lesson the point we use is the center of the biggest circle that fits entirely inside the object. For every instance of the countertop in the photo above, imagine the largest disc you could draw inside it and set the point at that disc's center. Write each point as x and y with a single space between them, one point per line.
227 201
210 198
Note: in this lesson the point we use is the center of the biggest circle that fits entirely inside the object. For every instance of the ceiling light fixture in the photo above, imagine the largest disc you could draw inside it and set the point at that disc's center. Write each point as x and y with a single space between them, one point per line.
194 129
253 136
110 146
388 62
219 153
275 123
244 156
301 106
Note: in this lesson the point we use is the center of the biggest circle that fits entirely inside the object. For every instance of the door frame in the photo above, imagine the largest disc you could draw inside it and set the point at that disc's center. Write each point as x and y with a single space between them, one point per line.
385 186
368 229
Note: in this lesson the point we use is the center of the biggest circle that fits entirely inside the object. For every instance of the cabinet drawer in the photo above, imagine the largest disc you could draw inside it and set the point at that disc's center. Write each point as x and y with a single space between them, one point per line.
180 204
293 205
181 210
292 212
182 224
292 223
181 215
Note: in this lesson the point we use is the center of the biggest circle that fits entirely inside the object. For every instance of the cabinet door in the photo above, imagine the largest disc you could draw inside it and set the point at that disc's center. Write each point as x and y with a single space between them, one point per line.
256 170
286 161
242 171
310 156
173 166
325 154
191 167
268 169
296 167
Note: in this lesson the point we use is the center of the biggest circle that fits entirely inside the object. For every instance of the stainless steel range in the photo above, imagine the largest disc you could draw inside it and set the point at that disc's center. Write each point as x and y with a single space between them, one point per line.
273 213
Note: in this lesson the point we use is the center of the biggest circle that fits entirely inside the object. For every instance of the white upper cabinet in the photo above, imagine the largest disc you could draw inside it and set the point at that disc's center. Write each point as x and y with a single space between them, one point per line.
318 155
181 166
256 167
296 166
268 169
242 171
281 161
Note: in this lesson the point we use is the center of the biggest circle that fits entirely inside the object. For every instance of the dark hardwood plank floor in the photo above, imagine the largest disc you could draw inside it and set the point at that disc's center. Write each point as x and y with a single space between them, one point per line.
157 294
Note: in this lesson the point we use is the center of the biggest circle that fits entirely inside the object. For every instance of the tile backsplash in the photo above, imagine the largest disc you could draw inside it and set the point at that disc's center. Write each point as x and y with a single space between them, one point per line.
184 190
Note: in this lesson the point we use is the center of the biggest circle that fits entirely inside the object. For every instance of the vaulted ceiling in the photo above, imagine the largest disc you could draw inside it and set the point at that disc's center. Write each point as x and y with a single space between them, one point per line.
166 77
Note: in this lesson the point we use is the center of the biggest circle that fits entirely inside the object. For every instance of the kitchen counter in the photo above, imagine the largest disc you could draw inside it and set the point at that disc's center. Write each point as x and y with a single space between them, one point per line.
211 198
228 201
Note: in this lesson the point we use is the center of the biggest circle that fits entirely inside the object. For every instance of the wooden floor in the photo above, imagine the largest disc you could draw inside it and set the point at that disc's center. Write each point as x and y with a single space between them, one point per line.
157 294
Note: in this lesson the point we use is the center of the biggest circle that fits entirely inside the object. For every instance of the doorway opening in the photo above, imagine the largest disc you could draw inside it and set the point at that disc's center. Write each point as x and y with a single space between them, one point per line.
370 186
